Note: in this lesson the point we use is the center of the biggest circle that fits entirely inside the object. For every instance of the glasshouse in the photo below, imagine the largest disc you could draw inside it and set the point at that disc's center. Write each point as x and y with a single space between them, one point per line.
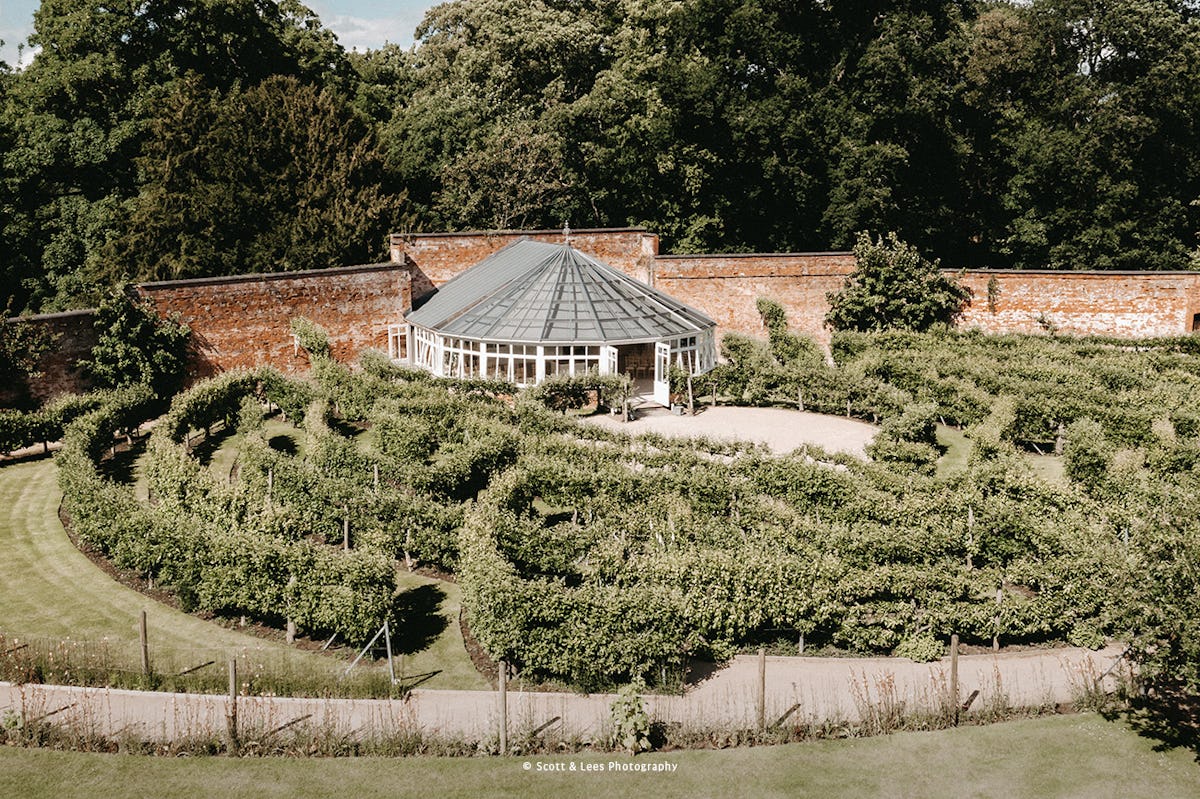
533 310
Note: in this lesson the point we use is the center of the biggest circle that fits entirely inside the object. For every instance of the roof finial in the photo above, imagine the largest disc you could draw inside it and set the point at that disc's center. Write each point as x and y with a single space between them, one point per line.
567 233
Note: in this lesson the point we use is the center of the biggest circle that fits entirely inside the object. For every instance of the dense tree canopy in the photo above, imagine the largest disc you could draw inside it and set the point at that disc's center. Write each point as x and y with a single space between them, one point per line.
1044 134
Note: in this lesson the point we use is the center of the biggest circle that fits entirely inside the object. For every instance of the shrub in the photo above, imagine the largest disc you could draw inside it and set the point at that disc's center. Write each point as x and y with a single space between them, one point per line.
631 724
135 346
894 287
922 648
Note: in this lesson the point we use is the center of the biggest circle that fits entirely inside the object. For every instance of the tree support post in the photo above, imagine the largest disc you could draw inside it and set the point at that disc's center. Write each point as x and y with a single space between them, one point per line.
954 675
503 707
144 640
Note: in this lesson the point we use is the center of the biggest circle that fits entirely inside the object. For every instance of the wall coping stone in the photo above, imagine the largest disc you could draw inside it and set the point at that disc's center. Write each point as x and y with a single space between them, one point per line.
262 276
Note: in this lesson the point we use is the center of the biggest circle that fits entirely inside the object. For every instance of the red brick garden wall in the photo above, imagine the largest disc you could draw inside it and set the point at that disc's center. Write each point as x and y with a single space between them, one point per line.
727 287
242 322
437 257
73 336
1123 304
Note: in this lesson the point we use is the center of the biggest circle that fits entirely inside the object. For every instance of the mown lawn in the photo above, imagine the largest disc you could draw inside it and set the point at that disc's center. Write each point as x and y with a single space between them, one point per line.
958 450
1065 756
52 592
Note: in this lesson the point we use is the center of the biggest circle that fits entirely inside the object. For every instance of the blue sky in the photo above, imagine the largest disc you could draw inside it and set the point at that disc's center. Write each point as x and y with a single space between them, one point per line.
357 23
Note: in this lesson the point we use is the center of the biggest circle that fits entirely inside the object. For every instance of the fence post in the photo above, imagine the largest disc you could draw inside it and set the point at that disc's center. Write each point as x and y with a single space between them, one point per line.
144 640
954 675
762 689
231 715
503 707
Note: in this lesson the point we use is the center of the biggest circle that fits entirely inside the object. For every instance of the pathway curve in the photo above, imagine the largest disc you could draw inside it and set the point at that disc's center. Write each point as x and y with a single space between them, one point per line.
816 690
780 429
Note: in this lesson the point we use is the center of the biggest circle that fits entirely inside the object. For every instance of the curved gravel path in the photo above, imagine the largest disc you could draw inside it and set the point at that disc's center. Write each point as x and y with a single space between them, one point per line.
780 429
816 690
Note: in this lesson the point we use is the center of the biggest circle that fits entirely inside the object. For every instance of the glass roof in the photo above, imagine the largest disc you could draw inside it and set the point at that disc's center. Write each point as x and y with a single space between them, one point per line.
534 292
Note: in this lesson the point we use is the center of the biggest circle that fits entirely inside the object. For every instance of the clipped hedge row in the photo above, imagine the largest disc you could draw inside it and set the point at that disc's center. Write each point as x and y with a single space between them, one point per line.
1054 381
219 400
751 375
216 554
20 429
592 635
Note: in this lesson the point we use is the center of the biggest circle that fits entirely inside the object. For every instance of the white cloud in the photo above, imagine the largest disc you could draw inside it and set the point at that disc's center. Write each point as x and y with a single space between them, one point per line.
361 32
369 33
12 36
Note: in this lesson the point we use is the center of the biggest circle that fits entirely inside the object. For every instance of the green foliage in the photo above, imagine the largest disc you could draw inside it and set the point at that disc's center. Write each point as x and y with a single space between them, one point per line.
1087 454
22 345
596 559
787 348
135 346
564 392
1052 381
560 393
631 724
308 167
992 435
894 287
80 114
908 438
922 648
166 139
312 337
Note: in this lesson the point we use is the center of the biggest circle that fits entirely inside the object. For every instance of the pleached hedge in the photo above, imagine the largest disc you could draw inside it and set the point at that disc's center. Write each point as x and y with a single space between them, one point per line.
592 557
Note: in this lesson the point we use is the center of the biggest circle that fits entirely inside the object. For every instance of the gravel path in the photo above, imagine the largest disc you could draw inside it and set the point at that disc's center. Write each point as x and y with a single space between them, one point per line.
829 690
780 429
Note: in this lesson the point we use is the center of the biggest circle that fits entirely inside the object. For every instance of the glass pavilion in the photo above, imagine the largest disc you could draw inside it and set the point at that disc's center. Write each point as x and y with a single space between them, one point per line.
533 309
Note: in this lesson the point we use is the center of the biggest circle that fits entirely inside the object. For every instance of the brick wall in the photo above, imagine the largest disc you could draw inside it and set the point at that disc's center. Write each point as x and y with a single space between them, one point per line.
1123 304
437 257
242 322
74 335
727 287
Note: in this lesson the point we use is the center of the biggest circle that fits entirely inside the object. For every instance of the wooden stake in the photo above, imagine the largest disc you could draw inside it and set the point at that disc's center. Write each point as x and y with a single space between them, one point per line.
231 716
503 707
762 688
970 534
346 530
145 642
376 470
387 639
291 623
996 629
954 675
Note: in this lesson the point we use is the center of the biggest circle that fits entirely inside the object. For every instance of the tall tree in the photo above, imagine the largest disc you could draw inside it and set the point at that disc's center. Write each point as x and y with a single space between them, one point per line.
1085 117
79 114
279 176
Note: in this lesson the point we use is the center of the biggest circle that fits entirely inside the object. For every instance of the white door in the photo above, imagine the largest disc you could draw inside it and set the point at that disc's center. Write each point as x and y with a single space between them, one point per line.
662 373
608 360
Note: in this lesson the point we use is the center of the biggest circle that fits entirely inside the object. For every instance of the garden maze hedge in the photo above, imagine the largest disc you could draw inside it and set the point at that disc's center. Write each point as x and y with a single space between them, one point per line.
592 557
